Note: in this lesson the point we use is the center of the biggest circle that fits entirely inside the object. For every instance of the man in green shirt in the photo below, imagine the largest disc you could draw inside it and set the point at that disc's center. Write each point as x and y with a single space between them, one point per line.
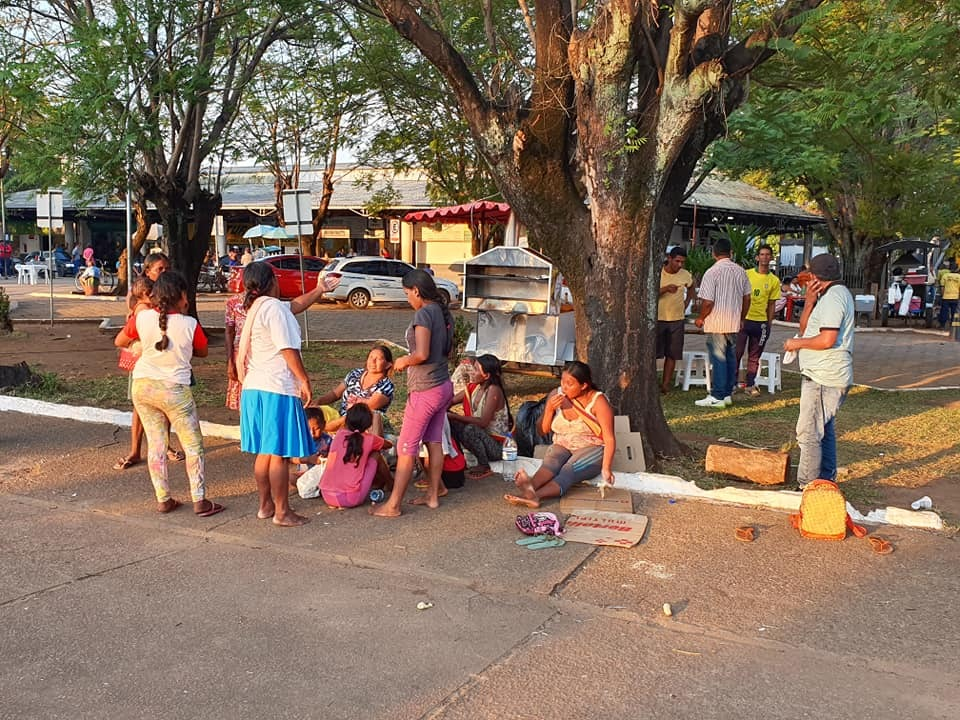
764 293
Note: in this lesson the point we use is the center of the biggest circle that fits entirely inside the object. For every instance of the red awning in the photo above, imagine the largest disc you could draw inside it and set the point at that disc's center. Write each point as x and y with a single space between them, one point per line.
480 211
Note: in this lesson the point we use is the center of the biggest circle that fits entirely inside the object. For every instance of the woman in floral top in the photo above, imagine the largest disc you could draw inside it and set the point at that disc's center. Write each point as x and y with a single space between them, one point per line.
369 385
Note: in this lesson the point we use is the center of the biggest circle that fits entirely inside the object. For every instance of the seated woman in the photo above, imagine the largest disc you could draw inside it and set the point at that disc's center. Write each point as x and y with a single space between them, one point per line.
369 385
581 421
486 417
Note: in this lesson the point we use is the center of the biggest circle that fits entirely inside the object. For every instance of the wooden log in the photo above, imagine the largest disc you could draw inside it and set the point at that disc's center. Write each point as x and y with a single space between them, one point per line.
763 467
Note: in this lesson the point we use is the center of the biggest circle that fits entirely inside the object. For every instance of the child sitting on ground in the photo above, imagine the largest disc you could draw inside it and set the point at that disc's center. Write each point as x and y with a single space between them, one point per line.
355 465
312 464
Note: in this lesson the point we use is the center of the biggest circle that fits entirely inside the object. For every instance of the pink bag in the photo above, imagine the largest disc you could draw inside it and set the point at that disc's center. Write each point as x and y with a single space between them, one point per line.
539 523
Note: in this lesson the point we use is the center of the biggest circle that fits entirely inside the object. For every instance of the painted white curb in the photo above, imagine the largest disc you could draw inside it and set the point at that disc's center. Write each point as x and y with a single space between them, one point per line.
783 500
100 415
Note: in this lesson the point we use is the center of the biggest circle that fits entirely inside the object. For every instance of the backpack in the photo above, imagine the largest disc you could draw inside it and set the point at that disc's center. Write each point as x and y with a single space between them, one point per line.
823 513
539 523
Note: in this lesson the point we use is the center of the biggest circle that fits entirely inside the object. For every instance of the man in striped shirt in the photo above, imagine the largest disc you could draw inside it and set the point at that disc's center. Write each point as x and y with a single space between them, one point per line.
724 302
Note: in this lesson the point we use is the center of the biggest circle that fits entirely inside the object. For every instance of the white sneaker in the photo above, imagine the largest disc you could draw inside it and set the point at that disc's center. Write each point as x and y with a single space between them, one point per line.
728 401
711 401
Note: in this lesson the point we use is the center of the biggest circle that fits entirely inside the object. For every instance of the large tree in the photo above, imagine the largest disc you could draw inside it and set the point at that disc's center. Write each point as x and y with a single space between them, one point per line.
592 122
162 81
861 111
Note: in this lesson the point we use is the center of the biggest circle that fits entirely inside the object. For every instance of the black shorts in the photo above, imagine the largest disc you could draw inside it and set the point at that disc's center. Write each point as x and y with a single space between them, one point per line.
670 339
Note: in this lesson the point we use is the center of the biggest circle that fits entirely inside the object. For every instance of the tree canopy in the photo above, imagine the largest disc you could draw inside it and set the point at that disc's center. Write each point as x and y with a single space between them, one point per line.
861 109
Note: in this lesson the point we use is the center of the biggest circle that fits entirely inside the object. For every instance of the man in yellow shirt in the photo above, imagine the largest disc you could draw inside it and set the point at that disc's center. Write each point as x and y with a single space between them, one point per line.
764 293
950 293
676 291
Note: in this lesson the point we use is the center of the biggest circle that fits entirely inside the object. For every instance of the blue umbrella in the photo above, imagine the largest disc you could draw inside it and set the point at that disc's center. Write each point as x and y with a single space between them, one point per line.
267 231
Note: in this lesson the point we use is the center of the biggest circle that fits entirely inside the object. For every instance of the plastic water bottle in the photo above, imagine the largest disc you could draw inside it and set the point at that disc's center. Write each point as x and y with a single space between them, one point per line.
509 458
377 495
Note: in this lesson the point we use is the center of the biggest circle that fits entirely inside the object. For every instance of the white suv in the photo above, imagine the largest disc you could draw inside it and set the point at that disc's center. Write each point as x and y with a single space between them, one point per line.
374 279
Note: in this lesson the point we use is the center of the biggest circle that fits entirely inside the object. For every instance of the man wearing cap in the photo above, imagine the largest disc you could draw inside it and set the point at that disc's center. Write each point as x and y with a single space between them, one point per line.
232 259
825 351
724 301
676 290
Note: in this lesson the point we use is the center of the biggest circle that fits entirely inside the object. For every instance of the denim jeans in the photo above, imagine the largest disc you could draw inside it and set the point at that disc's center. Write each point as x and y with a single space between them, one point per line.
816 433
722 348
947 310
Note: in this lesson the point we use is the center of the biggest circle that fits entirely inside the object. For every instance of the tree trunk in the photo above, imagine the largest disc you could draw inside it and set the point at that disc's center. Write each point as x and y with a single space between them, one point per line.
187 232
141 228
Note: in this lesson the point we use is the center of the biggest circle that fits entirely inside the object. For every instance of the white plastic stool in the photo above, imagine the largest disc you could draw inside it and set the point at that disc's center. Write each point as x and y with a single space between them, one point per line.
769 362
693 370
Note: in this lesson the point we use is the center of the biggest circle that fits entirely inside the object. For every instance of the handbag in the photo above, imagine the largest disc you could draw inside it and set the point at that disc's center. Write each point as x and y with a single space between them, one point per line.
129 356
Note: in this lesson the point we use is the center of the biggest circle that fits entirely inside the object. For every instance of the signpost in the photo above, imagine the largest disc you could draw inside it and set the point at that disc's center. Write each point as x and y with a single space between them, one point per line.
50 216
298 206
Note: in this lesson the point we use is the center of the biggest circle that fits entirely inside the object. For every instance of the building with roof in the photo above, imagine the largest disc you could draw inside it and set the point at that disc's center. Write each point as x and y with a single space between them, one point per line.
249 199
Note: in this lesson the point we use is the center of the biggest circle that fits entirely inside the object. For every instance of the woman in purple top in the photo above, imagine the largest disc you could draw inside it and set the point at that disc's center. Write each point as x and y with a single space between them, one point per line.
429 337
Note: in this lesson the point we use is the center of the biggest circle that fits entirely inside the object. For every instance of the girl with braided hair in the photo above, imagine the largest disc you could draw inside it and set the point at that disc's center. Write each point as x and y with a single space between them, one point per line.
161 387
354 464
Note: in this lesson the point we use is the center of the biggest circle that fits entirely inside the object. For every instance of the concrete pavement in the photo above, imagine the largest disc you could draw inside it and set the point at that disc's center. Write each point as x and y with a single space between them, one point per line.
108 609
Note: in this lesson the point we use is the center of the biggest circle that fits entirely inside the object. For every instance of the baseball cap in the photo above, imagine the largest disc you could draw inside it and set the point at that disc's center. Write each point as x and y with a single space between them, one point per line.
826 267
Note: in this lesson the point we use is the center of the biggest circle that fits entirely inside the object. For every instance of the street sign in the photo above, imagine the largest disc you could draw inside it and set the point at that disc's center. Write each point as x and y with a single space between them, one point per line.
50 206
394 229
298 212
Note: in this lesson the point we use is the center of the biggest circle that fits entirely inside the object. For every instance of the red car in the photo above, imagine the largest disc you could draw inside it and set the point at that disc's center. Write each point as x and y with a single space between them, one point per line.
286 268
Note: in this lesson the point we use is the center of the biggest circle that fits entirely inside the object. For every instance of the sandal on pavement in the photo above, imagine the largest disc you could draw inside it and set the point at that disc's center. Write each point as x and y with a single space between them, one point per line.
521 501
546 541
745 533
476 474
880 546
125 462
213 509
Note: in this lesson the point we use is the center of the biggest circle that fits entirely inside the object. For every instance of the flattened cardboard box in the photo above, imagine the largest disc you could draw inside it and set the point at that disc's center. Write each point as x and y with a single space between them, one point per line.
587 498
605 528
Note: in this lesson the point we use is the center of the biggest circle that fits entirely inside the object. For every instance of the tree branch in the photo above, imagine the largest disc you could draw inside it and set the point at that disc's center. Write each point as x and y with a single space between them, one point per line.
753 50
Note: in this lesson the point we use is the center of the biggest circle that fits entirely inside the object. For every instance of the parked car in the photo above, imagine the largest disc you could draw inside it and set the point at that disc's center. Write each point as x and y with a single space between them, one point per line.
62 260
286 268
369 279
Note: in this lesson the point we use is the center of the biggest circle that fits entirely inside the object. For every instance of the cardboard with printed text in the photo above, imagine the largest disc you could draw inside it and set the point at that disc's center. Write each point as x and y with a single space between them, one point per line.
587 497
605 528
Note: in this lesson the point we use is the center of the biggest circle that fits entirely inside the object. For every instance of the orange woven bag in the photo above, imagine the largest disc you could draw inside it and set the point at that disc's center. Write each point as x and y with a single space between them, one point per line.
823 513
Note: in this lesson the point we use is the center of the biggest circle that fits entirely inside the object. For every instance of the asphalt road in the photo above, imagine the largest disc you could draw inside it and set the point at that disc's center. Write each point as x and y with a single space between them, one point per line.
110 610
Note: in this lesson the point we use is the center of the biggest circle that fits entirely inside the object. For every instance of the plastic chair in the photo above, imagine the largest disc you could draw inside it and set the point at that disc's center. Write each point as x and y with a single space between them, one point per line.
694 369
768 372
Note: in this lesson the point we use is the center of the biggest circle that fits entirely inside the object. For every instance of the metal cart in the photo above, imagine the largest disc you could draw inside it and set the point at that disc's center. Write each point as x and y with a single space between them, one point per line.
517 294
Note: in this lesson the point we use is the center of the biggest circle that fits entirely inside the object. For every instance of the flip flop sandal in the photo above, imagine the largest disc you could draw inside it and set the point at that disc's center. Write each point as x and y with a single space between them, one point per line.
169 506
175 455
124 463
532 540
212 510
745 533
422 484
479 475
547 542
880 546
521 502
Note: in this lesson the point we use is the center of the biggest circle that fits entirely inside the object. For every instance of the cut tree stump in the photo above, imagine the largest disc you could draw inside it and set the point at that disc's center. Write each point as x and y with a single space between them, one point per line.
763 467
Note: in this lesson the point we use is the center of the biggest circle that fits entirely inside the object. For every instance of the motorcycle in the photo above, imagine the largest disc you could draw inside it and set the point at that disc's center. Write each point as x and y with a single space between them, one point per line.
212 279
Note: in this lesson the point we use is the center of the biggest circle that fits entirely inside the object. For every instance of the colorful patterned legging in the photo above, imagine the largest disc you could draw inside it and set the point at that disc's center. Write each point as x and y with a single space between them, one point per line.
157 401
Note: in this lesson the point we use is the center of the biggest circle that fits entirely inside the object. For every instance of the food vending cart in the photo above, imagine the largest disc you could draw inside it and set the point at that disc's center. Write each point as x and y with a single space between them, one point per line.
522 315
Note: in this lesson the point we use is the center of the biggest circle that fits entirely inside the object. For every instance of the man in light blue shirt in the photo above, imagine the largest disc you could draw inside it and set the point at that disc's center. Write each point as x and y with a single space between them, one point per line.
825 351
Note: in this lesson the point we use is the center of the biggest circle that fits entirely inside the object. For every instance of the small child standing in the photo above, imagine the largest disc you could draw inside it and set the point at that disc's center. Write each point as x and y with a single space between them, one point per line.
354 464
161 387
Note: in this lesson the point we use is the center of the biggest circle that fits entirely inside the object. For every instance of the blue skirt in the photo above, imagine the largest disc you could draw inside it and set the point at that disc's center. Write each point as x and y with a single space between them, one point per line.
274 424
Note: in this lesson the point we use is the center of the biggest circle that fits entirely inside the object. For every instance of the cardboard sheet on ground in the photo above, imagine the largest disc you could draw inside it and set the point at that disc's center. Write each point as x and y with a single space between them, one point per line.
587 497
605 528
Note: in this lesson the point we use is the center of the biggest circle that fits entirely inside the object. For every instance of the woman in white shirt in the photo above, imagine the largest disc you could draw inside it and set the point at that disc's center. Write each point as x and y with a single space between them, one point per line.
161 387
275 390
